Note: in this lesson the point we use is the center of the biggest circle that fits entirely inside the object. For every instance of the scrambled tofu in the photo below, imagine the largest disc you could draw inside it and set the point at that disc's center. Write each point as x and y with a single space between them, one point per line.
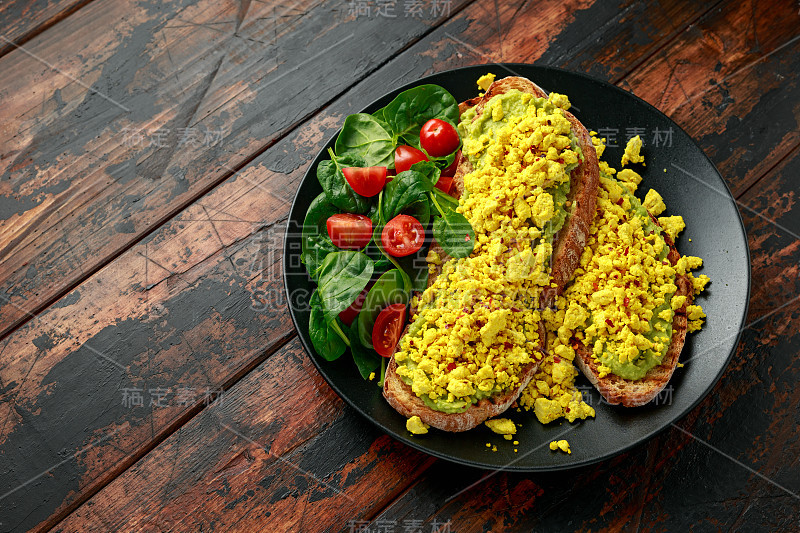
502 426
478 323
562 445
632 150
416 426
485 81
619 303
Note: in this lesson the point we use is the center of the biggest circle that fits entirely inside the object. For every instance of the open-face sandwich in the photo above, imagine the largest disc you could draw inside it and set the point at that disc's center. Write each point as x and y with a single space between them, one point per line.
630 304
527 184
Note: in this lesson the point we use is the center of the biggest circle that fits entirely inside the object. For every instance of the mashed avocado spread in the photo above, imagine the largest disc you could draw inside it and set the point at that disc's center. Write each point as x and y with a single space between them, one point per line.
628 322
477 325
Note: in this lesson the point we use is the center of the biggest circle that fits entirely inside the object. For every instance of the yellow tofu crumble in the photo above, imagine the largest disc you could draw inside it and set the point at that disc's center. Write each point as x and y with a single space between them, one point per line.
632 150
478 323
502 426
562 445
485 81
416 426
619 301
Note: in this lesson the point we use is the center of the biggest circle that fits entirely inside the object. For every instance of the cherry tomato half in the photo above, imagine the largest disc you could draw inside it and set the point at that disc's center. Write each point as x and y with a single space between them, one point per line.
405 156
349 231
366 181
349 315
402 236
445 184
388 328
438 137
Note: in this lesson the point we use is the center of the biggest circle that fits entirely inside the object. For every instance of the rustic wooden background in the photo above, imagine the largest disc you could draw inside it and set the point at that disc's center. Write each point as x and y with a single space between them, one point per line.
150 377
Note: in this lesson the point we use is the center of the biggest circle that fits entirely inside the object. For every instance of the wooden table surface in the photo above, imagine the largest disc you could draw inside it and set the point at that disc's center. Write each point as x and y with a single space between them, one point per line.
150 376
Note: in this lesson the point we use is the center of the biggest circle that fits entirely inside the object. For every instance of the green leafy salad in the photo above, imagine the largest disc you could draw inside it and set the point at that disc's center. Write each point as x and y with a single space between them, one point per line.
386 192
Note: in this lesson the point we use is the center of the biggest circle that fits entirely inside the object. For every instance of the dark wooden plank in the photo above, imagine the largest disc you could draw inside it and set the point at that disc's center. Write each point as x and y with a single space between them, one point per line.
192 308
192 264
147 108
731 82
203 278
742 474
21 20
279 452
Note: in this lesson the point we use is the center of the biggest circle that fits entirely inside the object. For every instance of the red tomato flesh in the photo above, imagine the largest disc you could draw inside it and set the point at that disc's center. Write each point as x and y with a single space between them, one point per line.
438 137
445 184
405 156
349 315
366 181
402 236
349 231
388 328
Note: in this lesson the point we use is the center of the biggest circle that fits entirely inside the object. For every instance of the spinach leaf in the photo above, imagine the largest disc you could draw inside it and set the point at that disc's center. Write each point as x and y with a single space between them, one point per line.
389 289
454 233
315 240
327 343
373 250
429 170
406 114
432 173
366 360
443 162
378 116
363 136
342 277
339 192
416 268
405 189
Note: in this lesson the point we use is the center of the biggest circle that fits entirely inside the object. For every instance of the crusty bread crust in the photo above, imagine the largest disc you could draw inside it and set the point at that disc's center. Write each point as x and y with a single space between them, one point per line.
582 198
616 390
567 251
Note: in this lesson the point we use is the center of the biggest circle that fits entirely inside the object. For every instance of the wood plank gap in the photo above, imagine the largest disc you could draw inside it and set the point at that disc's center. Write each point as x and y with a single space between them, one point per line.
399 495
669 41
44 26
231 171
174 426
789 155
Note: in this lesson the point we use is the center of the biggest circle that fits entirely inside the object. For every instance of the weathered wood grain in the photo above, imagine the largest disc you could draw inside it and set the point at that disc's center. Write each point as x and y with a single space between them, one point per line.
124 308
280 452
186 268
140 107
178 318
731 82
204 266
746 480
22 20
72 216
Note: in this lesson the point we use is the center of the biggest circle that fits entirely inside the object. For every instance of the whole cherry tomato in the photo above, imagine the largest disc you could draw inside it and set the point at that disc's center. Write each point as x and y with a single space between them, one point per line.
405 156
438 138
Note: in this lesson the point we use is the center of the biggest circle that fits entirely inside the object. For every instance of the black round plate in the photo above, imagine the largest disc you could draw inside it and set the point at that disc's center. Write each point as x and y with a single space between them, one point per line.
690 185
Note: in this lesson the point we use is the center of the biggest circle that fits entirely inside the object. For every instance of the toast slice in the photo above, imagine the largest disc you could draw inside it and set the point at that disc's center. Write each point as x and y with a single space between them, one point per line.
408 404
616 390
584 181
